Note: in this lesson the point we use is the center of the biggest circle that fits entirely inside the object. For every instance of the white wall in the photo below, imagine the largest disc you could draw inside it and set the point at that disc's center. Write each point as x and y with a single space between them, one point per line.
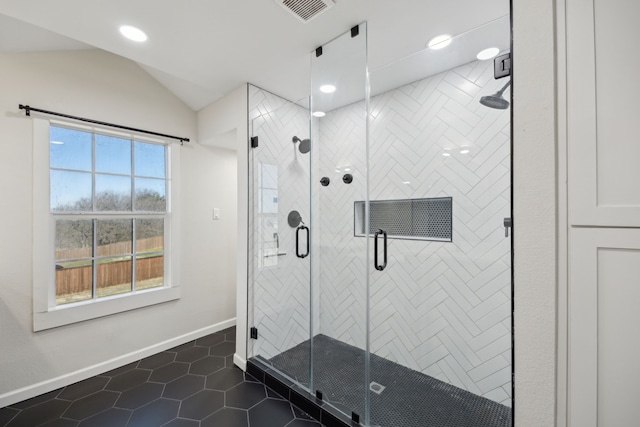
224 124
99 85
535 211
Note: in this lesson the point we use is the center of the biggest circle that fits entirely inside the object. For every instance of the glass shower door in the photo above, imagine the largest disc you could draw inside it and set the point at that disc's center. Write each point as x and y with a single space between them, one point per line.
279 235
339 257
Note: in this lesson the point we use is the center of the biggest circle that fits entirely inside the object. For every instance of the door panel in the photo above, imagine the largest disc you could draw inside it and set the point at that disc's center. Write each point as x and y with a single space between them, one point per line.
339 151
604 293
601 110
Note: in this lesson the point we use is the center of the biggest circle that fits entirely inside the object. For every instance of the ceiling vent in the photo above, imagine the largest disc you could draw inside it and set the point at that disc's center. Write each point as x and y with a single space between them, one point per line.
306 10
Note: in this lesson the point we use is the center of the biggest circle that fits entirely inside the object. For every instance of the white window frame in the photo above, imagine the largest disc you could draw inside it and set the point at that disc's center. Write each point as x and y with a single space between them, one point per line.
46 314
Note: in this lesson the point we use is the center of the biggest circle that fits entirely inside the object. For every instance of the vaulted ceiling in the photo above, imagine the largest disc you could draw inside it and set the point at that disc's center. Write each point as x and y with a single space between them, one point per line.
203 49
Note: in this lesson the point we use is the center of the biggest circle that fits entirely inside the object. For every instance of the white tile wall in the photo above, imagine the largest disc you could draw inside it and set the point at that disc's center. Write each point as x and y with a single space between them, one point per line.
439 308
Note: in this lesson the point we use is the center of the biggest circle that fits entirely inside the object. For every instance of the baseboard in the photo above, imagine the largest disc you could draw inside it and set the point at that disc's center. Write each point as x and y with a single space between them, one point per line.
240 362
37 389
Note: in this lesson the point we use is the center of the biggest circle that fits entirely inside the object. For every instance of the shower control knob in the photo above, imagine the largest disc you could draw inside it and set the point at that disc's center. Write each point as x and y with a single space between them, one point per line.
347 178
325 181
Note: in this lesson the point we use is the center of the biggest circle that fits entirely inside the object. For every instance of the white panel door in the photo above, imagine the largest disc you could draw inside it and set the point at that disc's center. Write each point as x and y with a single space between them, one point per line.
604 345
603 99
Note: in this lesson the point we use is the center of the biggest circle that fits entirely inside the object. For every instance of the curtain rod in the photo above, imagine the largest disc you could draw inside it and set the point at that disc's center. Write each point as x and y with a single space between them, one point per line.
29 109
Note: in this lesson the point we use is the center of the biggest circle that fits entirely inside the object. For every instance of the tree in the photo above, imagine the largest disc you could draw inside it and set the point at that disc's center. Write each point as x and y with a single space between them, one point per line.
78 233
150 201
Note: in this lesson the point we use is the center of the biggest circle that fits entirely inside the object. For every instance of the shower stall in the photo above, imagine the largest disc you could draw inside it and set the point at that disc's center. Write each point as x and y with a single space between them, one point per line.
379 236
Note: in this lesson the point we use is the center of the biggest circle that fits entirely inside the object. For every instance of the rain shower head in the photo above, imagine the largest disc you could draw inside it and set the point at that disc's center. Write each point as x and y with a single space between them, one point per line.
496 100
305 144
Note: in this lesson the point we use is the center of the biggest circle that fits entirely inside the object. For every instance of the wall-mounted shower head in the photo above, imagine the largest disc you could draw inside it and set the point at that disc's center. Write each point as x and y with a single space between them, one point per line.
305 144
496 100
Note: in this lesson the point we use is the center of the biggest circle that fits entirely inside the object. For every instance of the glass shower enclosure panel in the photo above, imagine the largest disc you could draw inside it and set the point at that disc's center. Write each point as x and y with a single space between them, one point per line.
279 235
440 185
340 259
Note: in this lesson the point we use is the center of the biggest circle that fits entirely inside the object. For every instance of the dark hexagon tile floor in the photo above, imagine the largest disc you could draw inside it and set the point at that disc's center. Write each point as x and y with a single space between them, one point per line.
192 385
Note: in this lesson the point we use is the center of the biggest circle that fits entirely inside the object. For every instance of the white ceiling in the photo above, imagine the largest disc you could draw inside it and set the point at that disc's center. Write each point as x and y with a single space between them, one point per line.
203 49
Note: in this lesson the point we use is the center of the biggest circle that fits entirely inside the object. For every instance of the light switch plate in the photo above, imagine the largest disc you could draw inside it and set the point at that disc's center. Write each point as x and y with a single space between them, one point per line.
216 213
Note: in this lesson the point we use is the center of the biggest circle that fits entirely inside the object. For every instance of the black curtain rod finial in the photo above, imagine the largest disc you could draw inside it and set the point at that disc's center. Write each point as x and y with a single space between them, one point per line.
26 108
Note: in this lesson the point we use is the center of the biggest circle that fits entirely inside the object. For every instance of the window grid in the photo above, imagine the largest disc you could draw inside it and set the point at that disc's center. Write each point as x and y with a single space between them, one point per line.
96 215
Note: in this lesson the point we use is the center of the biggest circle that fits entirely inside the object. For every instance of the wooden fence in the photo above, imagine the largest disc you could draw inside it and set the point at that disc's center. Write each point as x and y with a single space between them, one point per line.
78 279
112 249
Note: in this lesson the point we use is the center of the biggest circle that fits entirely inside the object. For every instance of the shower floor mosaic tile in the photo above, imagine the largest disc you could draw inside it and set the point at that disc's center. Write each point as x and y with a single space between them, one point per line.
192 385
407 398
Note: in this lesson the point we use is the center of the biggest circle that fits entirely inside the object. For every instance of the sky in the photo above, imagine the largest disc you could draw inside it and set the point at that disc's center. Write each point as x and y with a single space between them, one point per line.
73 168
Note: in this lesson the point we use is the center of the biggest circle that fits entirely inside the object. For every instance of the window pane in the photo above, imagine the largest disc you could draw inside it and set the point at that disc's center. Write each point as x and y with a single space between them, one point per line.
149 159
114 276
70 191
149 270
113 237
74 239
149 235
151 195
113 193
69 149
73 281
150 255
113 155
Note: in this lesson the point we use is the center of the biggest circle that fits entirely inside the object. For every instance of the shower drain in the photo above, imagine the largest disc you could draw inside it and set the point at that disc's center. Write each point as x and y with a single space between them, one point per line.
376 387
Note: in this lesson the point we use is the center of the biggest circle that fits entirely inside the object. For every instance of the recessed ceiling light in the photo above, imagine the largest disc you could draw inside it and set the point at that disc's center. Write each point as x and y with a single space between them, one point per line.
133 33
438 42
464 151
319 114
327 88
489 53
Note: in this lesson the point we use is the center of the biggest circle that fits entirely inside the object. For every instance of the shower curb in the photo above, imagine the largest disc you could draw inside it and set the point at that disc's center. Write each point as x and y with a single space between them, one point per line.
314 407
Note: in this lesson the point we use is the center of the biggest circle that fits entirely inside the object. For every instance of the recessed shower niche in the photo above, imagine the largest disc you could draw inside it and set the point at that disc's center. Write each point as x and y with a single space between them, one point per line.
399 312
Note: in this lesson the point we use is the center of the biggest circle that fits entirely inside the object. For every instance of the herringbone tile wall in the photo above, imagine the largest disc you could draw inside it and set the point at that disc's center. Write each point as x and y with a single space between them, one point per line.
439 308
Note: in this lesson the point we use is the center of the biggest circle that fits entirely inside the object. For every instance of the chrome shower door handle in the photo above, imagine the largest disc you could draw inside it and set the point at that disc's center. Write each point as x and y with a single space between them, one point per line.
375 250
298 254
